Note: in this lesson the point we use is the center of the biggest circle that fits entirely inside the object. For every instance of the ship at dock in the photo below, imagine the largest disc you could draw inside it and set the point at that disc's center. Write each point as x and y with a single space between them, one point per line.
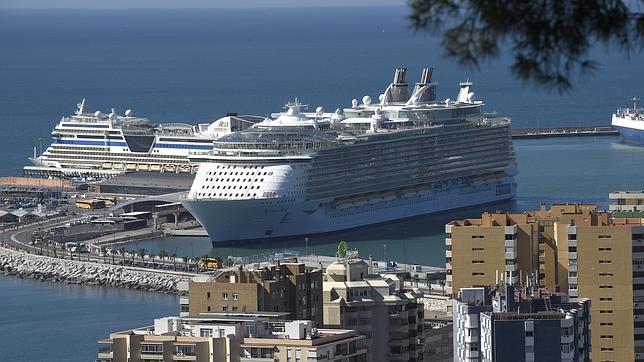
630 123
102 145
300 174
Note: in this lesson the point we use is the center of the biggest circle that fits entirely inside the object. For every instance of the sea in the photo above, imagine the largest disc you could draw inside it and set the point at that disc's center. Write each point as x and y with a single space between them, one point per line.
194 65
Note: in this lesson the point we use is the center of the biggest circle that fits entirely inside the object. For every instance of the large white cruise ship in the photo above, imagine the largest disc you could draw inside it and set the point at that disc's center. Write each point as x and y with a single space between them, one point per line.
630 123
308 173
102 145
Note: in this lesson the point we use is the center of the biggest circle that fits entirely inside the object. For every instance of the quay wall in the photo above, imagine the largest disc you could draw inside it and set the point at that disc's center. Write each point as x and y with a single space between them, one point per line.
37 182
24 265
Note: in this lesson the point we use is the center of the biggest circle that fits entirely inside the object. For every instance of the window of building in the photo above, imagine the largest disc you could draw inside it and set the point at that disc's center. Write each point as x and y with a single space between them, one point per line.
224 296
605 262
205 332
572 249
208 295
235 296
478 273
478 261
225 308
604 249
604 236
208 308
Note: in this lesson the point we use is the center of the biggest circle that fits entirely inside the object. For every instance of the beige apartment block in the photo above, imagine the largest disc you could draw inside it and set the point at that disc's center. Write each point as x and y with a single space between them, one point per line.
572 248
286 287
227 337
391 319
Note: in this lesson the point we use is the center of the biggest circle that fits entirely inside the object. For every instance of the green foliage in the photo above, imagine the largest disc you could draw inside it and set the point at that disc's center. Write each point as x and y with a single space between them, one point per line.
342 248
549 39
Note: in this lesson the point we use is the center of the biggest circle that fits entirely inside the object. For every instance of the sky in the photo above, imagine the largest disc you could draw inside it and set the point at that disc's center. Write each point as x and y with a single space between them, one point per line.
131 4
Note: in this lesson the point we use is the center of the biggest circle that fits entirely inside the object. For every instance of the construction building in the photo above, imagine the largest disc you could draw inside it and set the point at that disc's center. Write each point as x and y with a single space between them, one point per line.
392 319
232 337
285 287
573 249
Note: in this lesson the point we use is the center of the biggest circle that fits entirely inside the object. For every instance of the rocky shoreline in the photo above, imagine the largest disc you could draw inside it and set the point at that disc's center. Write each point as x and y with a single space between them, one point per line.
45 268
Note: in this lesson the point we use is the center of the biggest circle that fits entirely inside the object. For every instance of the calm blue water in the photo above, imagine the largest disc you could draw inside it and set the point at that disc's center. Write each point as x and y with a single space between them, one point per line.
42 321
194 65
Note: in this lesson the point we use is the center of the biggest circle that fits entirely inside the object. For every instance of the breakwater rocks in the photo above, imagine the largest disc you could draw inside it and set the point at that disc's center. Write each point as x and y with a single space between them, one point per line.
75 272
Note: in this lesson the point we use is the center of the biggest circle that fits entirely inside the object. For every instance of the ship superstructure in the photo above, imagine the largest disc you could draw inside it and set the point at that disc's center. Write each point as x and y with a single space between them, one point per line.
306 173
630 123
102 145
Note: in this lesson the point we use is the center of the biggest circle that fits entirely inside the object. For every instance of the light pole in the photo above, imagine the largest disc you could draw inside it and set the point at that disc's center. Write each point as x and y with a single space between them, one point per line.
306 240
384 248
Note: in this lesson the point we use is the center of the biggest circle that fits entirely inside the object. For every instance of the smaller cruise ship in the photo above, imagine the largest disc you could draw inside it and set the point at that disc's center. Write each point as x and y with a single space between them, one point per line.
102 145
630 123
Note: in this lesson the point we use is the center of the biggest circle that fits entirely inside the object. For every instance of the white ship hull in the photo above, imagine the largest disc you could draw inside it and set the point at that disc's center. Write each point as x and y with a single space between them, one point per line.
632 131
252 219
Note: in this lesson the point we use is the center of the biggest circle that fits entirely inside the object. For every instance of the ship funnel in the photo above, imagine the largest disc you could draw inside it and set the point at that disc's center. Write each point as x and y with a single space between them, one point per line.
397 91
425 89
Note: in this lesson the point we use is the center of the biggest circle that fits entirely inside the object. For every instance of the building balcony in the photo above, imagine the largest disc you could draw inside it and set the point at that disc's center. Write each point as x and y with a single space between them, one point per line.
152 356
510 255
510 244
448 241
184 357
448 253
105 353
572 256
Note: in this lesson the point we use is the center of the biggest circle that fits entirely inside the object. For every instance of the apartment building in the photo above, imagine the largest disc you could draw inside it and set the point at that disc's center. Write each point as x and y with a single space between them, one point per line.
228 337
629 201
499 325
282 287
578 250
390 318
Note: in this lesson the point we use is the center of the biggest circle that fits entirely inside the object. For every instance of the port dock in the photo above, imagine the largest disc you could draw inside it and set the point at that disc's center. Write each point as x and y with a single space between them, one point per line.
564 132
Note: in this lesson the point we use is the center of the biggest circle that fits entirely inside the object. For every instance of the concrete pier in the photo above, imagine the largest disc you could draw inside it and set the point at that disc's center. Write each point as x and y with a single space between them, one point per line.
23 265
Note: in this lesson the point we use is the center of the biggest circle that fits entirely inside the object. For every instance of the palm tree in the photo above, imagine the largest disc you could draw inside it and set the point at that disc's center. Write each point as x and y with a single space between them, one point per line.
185 261
112 253
103 251
442 284
162 255
152 257
174 261
122 252
142 255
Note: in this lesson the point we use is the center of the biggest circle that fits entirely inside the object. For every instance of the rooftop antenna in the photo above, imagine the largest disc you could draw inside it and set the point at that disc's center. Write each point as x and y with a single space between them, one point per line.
635 101
81 107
